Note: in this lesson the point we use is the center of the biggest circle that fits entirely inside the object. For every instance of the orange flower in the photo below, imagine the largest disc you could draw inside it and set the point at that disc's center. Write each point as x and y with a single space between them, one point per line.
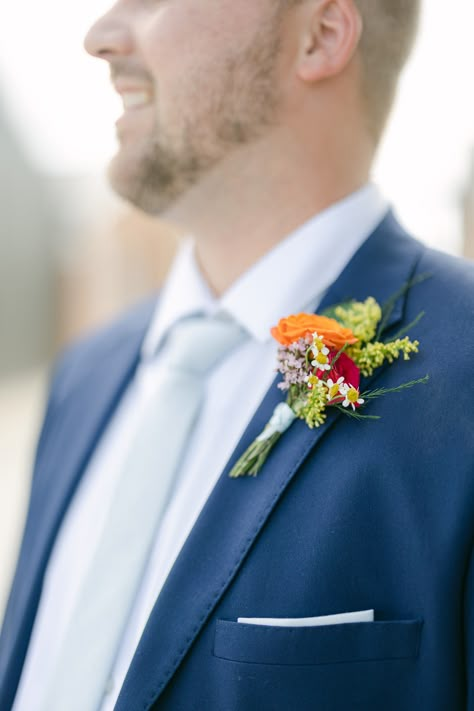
329 330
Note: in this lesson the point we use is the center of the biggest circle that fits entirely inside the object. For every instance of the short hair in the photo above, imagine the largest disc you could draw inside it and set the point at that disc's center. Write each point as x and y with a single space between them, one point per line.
389 32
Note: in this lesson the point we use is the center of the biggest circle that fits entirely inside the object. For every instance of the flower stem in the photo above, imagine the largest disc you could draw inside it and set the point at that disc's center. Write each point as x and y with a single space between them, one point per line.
253 459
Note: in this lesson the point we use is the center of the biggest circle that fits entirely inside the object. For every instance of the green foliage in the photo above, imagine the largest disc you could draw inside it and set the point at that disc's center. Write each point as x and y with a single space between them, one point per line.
378 392
408 328
356 415
388 307
362 317
330 312
313 410
373 355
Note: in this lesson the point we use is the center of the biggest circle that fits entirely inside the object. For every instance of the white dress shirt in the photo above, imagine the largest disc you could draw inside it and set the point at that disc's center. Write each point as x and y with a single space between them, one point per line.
290 278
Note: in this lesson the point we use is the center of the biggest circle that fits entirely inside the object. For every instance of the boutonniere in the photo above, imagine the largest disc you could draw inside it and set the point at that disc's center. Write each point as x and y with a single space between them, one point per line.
322 358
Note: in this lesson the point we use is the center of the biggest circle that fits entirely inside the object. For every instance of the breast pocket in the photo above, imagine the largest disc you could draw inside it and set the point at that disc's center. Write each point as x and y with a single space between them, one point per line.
330 644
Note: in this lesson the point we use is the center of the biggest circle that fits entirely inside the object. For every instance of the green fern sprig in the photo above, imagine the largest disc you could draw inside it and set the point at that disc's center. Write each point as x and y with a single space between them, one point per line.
355 415
372 394
388 307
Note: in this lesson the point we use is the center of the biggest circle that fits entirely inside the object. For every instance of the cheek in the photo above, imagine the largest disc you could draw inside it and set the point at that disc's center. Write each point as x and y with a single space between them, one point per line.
182 37
173 39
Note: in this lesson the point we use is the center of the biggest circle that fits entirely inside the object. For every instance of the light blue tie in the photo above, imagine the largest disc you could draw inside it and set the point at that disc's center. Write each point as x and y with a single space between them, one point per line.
111 583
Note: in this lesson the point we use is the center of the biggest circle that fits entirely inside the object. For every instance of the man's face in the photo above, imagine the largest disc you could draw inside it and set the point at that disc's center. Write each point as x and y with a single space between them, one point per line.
198 79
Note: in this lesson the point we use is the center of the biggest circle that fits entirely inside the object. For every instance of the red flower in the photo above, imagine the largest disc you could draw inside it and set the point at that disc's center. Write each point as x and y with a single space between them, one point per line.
344 367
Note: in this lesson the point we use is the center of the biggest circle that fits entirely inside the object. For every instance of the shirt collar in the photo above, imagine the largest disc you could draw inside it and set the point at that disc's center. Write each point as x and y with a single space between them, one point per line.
185 292
290 278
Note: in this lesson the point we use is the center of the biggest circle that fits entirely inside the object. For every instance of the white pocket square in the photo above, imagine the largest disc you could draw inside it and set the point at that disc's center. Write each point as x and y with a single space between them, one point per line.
342 618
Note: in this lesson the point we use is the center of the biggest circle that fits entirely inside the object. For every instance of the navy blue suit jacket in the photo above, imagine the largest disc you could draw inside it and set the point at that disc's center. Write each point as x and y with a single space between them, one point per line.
350 516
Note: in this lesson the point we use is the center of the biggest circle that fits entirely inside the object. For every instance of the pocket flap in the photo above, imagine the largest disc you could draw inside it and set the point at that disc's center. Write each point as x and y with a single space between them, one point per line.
350 642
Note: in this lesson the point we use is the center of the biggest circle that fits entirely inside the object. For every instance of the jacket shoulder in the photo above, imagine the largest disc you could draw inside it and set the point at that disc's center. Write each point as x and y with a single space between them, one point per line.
97 346
451 276
447 300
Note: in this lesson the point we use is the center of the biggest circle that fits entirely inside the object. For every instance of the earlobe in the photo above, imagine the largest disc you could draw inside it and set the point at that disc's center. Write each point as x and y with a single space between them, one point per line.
331 38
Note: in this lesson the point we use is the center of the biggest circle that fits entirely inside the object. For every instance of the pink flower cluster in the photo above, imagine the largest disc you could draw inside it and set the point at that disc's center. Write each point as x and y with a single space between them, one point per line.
291 363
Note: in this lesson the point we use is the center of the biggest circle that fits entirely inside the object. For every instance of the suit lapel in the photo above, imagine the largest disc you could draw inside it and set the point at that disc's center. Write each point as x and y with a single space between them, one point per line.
237 510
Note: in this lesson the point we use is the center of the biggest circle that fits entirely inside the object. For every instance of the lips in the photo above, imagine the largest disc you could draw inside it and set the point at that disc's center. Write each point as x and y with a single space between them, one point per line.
134 91
137 94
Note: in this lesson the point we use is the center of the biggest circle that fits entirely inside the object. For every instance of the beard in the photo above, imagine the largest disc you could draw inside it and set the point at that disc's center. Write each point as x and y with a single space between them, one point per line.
214 113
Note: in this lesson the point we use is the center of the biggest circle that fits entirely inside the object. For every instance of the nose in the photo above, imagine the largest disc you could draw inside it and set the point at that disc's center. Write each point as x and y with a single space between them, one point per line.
110 35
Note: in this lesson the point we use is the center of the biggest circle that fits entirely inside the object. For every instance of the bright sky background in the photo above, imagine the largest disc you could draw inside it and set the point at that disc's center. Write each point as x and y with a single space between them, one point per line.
61 103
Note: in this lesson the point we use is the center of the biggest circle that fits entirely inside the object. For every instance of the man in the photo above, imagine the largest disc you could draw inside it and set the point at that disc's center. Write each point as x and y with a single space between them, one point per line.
253 125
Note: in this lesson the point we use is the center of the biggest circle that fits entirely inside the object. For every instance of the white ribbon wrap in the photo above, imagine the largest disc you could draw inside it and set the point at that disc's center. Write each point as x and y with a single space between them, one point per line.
283 416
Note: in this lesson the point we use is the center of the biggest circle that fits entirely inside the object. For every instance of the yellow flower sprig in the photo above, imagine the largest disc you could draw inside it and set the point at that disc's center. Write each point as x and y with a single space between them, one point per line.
373 355
362 317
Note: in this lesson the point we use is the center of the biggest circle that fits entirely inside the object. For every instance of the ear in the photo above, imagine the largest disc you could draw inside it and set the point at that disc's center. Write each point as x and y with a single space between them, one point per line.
330 37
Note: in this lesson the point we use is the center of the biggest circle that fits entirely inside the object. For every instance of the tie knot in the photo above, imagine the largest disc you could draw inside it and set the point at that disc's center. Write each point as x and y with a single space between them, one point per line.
197 343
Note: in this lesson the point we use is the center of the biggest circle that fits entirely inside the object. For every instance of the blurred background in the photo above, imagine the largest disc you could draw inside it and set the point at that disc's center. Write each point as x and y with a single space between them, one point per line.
72 255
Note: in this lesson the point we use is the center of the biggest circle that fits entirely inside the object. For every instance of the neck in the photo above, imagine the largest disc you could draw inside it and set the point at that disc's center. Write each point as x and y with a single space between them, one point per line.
247 206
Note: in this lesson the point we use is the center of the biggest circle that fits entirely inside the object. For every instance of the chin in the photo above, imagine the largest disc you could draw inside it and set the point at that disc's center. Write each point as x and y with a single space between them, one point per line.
129 179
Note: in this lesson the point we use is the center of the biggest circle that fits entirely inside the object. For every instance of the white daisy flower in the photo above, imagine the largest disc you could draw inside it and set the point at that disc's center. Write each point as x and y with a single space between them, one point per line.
312 380
335 388
321 360
318 344
352 396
